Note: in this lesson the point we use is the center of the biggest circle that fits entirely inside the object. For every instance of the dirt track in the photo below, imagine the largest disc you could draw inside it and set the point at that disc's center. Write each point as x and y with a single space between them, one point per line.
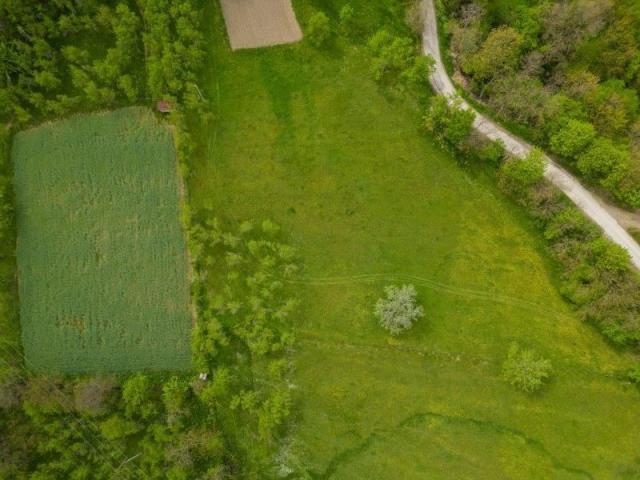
607 217
260 23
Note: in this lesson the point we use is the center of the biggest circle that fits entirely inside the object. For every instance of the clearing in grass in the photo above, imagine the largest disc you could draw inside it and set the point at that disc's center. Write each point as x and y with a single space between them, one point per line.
101 253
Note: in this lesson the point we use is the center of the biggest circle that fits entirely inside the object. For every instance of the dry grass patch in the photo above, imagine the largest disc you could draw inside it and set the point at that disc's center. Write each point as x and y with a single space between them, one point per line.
260 23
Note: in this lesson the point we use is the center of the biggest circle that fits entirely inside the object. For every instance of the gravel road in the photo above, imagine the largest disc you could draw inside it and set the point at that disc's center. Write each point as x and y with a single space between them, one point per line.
603 214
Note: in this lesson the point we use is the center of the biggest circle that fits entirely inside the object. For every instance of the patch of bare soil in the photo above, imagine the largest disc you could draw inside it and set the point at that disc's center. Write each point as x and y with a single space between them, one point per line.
260 23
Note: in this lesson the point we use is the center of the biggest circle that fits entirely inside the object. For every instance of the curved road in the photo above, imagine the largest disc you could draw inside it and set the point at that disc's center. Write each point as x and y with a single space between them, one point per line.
595 208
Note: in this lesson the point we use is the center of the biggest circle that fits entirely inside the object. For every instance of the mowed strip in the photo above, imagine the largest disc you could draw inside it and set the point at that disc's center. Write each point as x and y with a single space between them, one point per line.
260 23
101 253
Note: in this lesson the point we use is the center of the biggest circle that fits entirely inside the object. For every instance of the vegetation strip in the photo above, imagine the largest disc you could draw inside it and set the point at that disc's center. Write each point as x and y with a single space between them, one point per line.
588 202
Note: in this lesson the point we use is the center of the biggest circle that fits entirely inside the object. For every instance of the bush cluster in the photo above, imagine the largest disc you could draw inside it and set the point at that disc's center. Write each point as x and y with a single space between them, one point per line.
246 311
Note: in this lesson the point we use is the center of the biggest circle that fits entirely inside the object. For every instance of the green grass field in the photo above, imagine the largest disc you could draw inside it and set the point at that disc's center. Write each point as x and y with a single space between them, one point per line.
306 138
101 254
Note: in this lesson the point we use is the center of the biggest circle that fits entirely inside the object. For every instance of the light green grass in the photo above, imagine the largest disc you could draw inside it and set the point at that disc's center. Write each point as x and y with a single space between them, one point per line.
101 255
308 139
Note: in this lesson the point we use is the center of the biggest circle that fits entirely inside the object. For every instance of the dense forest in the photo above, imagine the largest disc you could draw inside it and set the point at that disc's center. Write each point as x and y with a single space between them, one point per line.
566 73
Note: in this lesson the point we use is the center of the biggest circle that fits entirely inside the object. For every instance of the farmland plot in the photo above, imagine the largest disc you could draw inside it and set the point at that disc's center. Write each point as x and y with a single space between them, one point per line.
101 254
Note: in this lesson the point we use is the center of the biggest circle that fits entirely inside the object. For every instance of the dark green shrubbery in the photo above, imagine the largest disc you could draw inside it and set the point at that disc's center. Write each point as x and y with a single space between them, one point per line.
449 122
318 29
397 61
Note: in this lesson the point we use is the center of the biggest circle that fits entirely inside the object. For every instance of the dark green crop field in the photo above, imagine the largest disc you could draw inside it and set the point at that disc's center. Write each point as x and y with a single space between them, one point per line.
101 254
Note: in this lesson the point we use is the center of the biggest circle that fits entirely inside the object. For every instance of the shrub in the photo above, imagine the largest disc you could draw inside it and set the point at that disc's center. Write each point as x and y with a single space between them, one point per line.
525 369
601 159
449 122
318 29
492 152
136 396
117 427
634 374
398 58
399 310
346 19
573 138
525 172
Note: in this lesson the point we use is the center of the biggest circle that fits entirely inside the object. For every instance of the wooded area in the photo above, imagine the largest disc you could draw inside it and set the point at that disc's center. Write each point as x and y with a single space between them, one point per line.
566 73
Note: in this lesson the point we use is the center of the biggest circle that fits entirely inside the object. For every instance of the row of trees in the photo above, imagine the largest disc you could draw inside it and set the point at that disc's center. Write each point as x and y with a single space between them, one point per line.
596 274
568 71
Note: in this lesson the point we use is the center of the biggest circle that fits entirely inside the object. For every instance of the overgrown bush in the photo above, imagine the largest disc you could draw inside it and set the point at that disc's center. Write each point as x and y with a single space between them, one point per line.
318 29
518 174
525 369
399 310
397 61
448 121
346 18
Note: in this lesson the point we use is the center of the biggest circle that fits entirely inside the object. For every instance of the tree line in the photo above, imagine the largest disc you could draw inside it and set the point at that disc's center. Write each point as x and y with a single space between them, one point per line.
596 274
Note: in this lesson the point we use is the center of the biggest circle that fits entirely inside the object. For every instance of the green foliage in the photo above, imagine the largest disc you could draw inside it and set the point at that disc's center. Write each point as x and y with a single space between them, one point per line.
318 29
499 55
397 59
492 153
634 374
39 46
596 274
108 297
573 138
583 51
448 121
137 397
399 310
601 159
525 369
525 172
116 427
347 20
251 309
174 48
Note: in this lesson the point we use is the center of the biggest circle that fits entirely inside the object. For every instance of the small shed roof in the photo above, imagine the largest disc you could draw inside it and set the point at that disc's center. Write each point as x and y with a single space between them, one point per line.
163 106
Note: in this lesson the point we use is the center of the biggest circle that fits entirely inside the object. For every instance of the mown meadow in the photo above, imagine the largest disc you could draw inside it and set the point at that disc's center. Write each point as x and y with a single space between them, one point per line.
101 255
306 137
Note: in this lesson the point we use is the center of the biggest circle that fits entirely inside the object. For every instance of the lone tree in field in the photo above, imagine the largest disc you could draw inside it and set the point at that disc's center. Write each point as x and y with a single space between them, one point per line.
399 310
525 369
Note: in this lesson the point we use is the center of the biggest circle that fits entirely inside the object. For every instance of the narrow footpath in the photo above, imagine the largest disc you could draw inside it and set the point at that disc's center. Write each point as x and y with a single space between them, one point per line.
607 217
